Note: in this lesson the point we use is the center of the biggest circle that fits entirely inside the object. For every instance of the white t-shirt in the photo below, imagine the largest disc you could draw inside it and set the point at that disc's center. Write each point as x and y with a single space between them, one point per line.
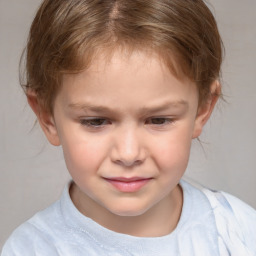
211 223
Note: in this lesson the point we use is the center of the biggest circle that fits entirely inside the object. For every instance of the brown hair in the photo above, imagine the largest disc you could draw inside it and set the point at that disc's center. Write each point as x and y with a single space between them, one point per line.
66 35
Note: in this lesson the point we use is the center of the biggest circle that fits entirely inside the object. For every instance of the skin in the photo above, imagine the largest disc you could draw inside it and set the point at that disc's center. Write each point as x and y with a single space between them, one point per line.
129 117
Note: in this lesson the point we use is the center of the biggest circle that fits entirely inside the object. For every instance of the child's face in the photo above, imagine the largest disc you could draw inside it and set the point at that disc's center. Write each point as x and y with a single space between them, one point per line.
126 128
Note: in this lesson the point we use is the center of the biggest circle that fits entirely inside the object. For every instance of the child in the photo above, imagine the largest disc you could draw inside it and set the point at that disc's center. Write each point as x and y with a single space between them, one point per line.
124 87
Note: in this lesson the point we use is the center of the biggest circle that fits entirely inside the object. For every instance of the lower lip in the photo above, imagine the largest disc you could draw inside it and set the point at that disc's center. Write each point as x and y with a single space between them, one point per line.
128 187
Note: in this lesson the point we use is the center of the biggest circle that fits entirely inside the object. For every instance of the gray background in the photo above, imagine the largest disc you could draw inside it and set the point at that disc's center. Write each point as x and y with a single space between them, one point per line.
32 173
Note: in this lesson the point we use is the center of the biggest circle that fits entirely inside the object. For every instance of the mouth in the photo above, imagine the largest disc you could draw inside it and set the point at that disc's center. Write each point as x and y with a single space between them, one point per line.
128 185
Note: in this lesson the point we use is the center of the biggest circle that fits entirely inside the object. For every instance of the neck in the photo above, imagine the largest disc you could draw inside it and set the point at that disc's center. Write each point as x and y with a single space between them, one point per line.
159 220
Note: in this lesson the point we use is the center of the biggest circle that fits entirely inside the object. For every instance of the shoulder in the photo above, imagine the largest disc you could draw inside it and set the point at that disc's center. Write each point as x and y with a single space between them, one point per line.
58 230
34 235
233 207
235 221
244 215
27 238
240 208
225 203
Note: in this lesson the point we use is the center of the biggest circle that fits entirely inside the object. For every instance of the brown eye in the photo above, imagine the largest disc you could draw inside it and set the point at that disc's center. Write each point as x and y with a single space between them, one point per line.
158 121
95 122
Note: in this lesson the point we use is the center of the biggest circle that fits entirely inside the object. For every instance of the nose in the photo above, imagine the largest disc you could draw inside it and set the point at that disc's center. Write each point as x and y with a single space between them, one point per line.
128 148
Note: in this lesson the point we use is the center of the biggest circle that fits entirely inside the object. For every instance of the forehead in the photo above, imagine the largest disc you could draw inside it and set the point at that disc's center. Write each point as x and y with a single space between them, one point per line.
114 60
126 81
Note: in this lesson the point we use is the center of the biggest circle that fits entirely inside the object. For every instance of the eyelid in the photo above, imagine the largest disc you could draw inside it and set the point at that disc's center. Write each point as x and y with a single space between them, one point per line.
91 122
167 120
86 122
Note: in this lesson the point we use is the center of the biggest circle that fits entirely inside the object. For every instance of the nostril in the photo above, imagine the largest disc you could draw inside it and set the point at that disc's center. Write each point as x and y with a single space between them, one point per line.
128 163
138 162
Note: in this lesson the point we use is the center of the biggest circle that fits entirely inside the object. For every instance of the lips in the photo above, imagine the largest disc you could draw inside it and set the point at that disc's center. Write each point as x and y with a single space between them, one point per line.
128 185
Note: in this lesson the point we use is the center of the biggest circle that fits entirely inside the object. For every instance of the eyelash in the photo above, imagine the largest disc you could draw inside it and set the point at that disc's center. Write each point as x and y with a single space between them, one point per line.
96 123
89 122
165 120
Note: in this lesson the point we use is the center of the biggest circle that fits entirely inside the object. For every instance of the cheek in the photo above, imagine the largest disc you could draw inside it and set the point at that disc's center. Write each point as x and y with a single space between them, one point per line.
173 152
83 154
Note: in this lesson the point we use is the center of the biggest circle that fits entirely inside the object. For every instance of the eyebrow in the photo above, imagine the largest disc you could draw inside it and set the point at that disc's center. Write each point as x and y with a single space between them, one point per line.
144 110
165 106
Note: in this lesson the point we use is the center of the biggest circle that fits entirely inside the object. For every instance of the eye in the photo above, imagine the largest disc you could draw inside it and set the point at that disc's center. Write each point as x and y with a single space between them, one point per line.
94 122
159 121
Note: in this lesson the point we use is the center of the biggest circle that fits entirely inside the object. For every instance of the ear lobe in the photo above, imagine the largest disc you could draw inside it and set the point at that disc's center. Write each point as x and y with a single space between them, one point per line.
205 111
45 119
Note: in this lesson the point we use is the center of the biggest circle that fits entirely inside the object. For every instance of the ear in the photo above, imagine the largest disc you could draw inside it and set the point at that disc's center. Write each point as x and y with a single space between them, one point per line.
45 119
205 111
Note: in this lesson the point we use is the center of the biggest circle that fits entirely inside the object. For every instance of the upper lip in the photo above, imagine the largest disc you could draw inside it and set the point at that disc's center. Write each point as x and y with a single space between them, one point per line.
124 179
